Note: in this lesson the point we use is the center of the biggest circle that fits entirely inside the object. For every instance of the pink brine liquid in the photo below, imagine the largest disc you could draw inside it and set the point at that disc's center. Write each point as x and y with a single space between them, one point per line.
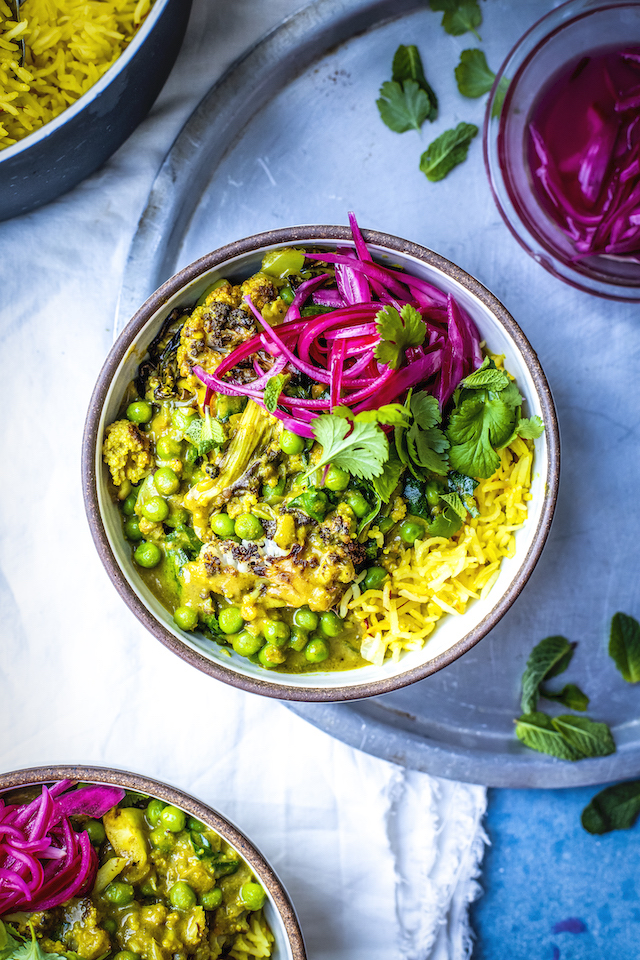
583 152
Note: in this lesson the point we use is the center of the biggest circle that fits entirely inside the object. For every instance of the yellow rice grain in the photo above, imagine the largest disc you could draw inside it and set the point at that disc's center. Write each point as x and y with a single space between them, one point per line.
437 576
70 44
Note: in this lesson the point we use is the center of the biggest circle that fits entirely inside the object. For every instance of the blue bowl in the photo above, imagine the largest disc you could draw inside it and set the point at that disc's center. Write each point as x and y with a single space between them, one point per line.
64 151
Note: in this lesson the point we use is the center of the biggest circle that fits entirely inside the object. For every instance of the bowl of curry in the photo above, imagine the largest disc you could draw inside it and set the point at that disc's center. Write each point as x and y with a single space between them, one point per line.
105 863
321 463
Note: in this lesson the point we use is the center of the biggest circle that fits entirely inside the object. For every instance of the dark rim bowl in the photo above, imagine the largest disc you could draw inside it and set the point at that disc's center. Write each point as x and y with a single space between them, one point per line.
279 911
454 635
575 27
56 157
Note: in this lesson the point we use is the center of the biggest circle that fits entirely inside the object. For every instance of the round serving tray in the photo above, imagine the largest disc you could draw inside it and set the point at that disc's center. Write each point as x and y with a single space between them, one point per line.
290 135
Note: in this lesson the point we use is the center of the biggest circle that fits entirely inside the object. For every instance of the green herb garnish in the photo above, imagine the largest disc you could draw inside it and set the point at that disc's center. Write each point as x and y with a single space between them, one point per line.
614 808
473 74
359 448
397 332
459 16
407 100
548 658
407 65
624 646
275 386
447 151
567 737
205 434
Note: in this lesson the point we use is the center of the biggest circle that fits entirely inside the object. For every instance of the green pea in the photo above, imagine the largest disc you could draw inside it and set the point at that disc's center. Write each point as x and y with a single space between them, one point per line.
287 294
128 506
166 481
245 644
331 624
118 893
196 825
140 411
411 530
433 492
186 618
298 638
149 888
126 955
222 525
153 811
385 524
182 896
161 839
248 527
337 479
109 925
271 656
95 830
291 443
230 620
182 417
306 618
375 578
316 650
358 503
155 509
132 529
211 899
252 896
276 632
173 819
167 448
147 554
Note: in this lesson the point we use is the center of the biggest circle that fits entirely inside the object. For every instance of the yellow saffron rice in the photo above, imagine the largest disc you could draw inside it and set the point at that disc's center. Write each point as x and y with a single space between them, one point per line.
437 576
70 44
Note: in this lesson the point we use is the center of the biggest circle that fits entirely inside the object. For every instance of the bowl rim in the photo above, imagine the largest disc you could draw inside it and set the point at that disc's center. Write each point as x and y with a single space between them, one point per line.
269 686
49 128
536 246
33 776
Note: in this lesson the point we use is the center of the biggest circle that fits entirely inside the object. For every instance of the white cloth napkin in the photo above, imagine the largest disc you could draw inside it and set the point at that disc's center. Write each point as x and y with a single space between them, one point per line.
379 862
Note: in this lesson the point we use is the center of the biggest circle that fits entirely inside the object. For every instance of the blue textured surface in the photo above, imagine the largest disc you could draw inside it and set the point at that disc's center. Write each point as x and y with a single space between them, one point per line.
543 869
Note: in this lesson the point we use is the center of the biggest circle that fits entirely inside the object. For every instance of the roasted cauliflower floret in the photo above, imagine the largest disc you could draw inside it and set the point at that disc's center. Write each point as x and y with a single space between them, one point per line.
261 289
127 452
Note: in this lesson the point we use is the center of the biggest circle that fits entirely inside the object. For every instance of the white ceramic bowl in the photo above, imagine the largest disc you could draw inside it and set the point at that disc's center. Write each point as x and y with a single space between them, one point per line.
454 634
278 909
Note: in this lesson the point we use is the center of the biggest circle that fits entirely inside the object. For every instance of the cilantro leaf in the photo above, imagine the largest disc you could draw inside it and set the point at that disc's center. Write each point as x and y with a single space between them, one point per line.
470 435
407 65
547 659
624 646
614 808
205 434
467 17
30 950
447 151
386 483
473 74
570 696
362 452
403 106
8 943
426 448
273 389
530 428
425 409
391 414
397 331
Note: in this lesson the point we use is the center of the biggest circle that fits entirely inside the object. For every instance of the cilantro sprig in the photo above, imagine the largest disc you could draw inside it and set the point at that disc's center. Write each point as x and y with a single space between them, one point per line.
459 16
486 417
398 331
360 448
407 100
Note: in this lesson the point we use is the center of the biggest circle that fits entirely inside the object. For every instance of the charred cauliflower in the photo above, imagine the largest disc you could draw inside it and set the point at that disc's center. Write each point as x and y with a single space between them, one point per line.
127 452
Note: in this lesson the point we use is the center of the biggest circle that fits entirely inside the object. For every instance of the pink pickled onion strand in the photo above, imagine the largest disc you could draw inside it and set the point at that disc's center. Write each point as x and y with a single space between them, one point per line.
43 861
337 349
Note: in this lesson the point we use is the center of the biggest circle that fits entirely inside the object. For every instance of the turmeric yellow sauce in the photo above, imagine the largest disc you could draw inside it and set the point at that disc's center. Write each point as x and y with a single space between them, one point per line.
232 531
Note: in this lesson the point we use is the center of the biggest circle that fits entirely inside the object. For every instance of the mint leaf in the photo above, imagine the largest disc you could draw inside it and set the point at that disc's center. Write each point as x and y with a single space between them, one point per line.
205 434
456 504
473 75
624 646
536 731
447 151
386 483
273 389
589 738
407 65
397 332
570 696
614 808
359 448
547 659
465 488
403 107
487 376
530 428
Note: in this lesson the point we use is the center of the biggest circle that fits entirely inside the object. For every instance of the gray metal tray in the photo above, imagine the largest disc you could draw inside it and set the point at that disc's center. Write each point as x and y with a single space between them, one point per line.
292 135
